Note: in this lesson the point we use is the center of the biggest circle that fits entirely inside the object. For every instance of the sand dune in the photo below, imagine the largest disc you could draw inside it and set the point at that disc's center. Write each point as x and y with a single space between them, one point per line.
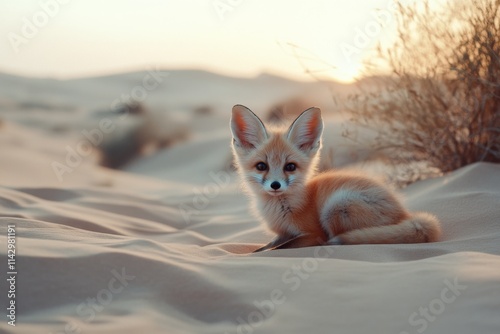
164 246
197 276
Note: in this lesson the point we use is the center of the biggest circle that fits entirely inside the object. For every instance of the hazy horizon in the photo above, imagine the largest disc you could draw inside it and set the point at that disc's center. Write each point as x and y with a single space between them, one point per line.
69 39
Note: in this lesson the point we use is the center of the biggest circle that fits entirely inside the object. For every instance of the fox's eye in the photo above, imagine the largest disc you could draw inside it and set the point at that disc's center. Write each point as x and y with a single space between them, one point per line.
290 167
261 166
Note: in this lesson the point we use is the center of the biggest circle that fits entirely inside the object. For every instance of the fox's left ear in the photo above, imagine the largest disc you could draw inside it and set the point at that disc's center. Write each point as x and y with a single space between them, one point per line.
305 132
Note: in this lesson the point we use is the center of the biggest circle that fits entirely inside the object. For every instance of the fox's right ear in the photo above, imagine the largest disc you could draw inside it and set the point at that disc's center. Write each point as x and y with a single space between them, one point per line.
248 130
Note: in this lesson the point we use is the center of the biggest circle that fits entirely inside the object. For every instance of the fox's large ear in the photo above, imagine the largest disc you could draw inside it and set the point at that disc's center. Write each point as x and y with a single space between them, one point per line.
305 132
248 130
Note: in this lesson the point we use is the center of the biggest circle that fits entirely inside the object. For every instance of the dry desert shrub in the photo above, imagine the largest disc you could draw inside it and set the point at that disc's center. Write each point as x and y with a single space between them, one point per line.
139 131
439 109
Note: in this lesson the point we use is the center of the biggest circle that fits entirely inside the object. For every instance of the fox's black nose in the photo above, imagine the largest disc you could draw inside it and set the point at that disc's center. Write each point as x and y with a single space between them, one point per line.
275 185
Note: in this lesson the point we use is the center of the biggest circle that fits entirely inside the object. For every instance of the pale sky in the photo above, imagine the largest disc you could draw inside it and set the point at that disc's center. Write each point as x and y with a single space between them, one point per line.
78 38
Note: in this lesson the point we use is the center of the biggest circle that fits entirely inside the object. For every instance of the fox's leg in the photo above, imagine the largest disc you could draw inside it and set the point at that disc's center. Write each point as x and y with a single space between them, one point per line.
304 240
349 209
279 240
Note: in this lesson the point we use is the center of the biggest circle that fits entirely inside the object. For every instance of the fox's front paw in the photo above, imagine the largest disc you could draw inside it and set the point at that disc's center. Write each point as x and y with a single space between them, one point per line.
335 241
260 249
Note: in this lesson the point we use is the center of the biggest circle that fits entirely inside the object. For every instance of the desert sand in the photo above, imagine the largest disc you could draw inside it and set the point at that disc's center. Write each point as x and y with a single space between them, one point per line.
163 245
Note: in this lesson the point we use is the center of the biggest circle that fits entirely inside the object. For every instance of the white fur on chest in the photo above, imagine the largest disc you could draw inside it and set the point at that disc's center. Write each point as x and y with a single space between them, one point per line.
277 214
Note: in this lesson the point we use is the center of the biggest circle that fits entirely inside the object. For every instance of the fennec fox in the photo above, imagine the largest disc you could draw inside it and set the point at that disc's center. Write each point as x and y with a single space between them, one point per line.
278 167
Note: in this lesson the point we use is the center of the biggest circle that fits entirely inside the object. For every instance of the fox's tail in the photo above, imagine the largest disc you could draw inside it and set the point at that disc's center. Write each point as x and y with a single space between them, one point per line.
420 227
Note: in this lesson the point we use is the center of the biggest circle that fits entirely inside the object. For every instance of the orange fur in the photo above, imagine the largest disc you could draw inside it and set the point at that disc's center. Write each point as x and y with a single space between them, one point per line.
335 207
